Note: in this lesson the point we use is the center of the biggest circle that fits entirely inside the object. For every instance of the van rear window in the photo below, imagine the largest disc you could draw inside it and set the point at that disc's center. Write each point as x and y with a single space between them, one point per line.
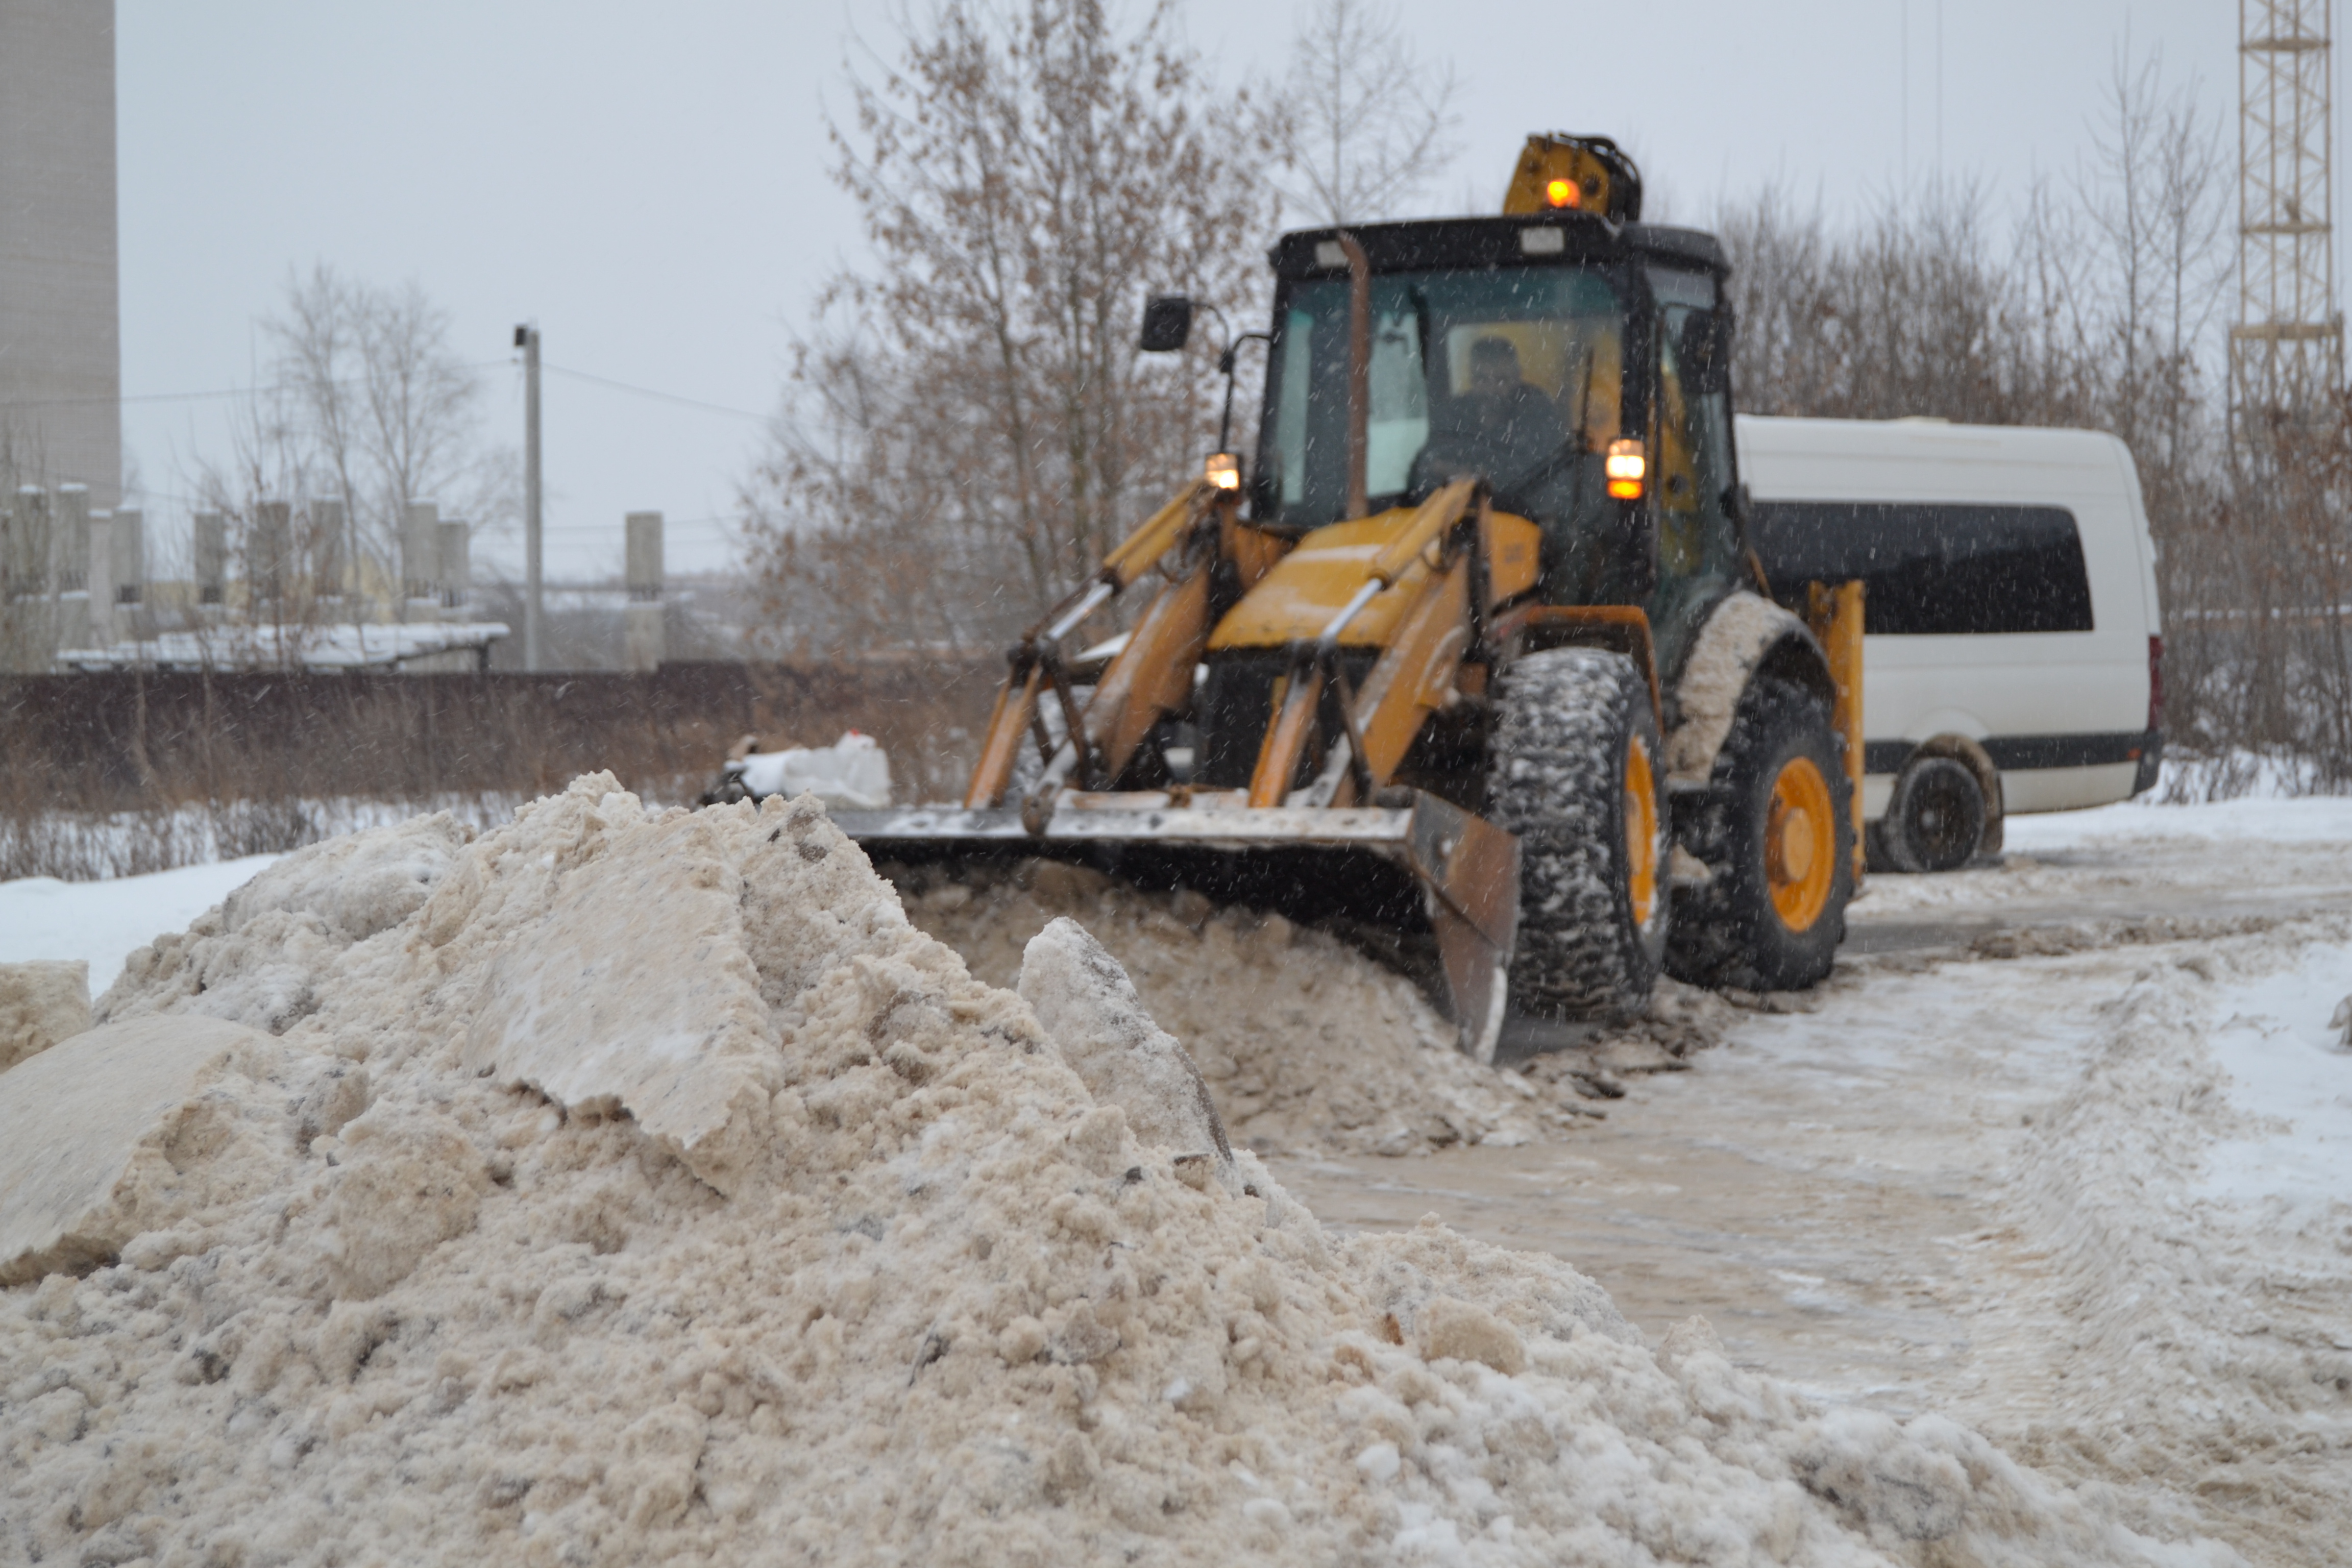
1932 568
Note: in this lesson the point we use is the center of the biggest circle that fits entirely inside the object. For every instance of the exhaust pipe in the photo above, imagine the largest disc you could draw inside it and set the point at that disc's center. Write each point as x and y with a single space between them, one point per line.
1360 375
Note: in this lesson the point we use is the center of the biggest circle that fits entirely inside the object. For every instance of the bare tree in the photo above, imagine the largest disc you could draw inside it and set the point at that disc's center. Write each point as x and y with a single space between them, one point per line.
2118 198
2096 308
1926 309
261 487
969 424
383 408
2154 198
1363 120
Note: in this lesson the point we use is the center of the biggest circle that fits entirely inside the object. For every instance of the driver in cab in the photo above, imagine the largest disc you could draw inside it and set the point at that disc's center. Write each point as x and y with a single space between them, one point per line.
1517 424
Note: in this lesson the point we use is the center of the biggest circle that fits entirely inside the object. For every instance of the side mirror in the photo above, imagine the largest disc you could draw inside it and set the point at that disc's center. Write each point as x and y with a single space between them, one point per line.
1167 323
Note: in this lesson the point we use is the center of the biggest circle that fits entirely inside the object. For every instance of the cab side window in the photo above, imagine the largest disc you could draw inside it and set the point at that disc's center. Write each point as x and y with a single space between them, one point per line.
1696 535
1698 542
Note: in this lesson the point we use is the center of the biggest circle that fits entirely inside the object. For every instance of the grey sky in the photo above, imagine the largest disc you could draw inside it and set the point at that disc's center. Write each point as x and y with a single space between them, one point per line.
649 183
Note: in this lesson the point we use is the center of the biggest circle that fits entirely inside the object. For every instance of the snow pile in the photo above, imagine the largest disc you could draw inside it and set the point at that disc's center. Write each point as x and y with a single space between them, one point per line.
2197 1232
809 1248
1307 1043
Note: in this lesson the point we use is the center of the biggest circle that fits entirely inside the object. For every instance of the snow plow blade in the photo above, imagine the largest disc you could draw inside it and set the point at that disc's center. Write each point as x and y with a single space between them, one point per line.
1429 865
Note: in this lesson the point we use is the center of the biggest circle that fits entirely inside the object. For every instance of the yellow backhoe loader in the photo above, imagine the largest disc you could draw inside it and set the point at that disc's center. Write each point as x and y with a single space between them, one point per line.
1476 647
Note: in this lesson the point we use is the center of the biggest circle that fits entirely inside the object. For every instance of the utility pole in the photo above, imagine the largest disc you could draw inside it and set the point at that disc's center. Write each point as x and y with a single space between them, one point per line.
527 340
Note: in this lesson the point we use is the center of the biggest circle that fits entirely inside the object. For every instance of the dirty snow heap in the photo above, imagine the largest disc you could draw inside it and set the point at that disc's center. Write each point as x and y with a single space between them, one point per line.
630 1185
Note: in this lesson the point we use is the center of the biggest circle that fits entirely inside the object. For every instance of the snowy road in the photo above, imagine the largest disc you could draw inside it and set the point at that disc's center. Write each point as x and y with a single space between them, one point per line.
2068 1157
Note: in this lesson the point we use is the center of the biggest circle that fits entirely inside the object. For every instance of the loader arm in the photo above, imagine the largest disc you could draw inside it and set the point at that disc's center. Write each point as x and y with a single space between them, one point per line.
1153 676
1434 559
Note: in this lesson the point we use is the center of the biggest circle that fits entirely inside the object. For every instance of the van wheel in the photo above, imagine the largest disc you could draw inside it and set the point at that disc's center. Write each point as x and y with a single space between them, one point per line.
1774 832
1573 771
1934 818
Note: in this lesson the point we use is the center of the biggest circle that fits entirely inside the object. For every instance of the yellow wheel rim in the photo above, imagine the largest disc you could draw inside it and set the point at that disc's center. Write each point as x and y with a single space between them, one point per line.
1641 832
1801 844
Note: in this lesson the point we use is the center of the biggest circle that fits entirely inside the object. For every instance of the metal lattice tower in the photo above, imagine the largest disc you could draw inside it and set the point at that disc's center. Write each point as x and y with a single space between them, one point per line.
2286 348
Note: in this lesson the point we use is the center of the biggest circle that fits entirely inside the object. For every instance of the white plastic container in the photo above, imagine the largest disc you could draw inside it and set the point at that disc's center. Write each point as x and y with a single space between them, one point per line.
851 774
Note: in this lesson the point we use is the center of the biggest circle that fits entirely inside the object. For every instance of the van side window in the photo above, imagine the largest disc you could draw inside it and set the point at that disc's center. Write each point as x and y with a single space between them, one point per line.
1933 569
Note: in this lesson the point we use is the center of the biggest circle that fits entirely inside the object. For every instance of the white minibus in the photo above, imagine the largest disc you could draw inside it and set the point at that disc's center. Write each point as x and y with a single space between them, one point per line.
2012 648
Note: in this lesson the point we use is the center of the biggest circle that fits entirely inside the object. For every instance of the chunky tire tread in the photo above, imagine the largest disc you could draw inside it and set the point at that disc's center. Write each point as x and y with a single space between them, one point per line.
1564 717
1726 931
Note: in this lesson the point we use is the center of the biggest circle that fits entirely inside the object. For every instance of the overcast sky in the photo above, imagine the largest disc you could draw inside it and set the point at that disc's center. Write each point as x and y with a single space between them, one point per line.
649 183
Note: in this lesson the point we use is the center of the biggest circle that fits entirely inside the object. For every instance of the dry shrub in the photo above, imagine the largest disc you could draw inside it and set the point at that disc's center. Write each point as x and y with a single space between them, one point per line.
110 774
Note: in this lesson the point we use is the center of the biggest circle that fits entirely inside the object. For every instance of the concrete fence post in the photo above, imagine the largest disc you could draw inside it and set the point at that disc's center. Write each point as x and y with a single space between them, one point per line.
100 577
130 552
71 541
643 643
266 546
211 551
420 550
455 561
28 554
644 556
327 552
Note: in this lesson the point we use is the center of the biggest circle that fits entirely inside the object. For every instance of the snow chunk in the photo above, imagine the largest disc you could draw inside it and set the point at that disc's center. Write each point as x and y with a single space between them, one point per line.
1467 1332
359 884
41 1003
409 1180
634 990
1089 1006
133 1126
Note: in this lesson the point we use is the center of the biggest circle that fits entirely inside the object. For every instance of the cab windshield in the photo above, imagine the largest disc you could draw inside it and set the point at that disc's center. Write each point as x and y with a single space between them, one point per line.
1517 374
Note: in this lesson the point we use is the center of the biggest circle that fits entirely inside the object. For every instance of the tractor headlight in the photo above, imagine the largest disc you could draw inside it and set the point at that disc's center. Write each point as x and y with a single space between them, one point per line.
1224 470
1626 468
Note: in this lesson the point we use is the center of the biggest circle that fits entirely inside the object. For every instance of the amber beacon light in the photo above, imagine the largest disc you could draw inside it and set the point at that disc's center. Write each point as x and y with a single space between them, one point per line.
1562 193
1626 469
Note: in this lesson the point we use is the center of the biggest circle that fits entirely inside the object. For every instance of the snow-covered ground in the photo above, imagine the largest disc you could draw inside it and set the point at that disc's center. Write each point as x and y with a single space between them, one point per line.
103 922
2065 1149
2311 819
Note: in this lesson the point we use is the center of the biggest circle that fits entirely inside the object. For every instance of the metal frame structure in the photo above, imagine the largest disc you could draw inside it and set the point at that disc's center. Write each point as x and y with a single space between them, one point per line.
2287 347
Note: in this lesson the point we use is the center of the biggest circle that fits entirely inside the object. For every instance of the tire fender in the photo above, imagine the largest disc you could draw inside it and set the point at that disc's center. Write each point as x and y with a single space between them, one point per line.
1746 633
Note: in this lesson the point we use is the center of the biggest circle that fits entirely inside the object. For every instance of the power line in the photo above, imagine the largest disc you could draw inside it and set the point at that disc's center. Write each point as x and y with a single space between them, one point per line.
603 381
656 395
667 522
202 396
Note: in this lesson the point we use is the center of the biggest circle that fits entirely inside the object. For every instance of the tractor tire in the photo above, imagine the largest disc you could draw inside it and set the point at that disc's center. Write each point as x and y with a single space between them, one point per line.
1934 817
1775 834
1574 771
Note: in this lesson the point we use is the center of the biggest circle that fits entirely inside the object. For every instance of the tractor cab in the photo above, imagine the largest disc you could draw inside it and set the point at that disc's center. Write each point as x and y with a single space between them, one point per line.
1576 360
